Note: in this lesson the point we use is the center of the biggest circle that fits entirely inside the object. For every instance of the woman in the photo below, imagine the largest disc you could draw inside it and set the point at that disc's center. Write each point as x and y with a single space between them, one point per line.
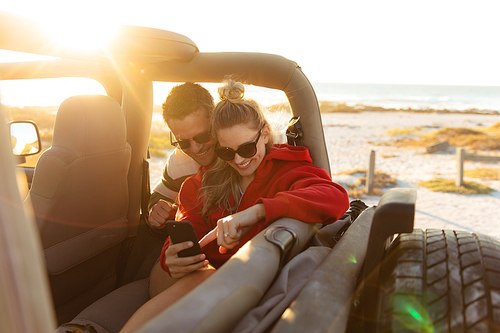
252 184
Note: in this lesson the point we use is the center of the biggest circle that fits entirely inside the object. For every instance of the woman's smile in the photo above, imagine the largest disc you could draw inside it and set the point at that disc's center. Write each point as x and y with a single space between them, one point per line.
244 165
238 135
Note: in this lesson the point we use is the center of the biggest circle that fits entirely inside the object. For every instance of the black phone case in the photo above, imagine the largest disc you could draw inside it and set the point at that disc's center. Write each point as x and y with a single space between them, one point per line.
183 231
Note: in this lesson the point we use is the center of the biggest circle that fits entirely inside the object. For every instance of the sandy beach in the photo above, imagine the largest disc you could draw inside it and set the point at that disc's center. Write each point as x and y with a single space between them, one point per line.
351 136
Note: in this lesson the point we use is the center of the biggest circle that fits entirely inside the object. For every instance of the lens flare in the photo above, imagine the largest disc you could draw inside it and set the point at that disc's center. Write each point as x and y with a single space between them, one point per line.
410 314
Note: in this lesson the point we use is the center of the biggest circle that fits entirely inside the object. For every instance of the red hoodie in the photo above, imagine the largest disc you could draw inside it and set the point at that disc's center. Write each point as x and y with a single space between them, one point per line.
288 185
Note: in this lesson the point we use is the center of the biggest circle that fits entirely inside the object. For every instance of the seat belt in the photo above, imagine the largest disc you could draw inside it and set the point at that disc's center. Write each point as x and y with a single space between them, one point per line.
294 132
145 189
128 243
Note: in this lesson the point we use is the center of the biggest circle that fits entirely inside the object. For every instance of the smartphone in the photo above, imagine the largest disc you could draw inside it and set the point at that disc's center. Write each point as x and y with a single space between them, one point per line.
183 231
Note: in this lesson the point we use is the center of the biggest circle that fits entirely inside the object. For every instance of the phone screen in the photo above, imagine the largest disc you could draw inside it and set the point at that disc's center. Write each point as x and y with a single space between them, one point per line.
183 231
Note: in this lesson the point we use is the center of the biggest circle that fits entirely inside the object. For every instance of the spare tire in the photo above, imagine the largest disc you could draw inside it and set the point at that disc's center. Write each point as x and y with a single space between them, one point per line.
440 281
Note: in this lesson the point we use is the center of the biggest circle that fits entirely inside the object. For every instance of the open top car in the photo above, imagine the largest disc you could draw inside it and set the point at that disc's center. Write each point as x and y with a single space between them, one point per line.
81 262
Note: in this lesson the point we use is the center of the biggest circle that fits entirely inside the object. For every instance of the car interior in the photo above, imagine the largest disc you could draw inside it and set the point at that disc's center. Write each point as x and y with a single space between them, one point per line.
90 190
80 198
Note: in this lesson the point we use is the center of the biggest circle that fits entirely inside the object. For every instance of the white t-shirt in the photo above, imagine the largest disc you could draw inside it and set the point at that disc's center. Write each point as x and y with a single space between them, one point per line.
179 166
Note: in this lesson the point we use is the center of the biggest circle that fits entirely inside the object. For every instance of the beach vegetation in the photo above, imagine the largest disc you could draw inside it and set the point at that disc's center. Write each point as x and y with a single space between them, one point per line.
332 106
449 186
474 139
388 155
357 190
44 117
280 107
352 172
484 173
495 128
329 107
381 180
159 143
406 132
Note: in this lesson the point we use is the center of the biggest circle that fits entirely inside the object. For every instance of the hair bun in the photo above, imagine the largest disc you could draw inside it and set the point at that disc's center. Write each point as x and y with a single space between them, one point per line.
231 91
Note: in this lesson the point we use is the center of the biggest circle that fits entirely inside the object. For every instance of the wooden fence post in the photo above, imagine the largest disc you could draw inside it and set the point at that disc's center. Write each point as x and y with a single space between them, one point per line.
460 166
370 174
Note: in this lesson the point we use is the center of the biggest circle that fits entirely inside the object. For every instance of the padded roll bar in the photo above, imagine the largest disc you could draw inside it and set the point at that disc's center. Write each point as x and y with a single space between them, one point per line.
324 303
222 300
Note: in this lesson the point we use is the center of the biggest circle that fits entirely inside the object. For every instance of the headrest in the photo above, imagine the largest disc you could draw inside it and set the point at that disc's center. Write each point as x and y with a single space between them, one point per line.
90 124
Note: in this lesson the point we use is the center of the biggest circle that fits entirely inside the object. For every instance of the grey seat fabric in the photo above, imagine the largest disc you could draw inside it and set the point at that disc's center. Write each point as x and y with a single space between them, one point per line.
80 198
110 313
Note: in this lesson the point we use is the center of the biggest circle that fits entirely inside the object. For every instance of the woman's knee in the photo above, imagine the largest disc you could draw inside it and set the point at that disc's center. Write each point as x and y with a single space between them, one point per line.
159 280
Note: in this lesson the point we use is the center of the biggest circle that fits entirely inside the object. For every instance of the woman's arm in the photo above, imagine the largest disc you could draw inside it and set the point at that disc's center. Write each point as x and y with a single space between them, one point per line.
308 194
231 228
189 211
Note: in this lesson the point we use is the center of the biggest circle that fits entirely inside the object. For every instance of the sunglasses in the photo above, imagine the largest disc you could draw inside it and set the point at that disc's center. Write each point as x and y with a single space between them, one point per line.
186 143
246 150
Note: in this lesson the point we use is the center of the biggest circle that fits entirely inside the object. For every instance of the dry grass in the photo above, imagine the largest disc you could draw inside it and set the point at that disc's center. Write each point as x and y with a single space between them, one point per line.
381 180
159 141
329 107
406 132
490 174
448 186
45 116
388 155
493 128
281 107
352 172
484 139
332 106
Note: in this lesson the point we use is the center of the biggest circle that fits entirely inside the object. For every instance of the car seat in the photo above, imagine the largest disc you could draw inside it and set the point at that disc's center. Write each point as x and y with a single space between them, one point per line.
80 198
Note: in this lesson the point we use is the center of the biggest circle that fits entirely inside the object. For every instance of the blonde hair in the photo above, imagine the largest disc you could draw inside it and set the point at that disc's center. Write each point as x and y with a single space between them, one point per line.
223 180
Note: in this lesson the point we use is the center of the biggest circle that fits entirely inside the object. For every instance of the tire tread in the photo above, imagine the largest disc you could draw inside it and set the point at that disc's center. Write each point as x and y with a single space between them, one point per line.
440 281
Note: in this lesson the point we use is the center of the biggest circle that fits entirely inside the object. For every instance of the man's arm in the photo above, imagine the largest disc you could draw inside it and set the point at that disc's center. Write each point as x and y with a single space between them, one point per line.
164 195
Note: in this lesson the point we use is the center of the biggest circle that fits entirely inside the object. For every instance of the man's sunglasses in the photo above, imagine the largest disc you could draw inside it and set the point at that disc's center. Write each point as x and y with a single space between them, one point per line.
246 150
186 143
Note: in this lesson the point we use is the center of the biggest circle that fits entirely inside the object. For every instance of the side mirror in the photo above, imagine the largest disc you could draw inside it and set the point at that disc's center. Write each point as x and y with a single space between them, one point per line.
25 138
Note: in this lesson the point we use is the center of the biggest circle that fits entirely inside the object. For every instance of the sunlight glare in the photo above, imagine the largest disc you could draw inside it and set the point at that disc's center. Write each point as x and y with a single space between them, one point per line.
289 315
79 35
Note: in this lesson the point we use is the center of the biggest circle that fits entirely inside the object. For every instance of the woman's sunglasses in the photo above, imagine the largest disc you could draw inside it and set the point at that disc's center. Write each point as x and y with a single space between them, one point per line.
186 143
246 150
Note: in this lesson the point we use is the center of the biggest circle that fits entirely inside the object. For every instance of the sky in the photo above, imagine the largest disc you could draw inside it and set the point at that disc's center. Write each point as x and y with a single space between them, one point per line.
357 41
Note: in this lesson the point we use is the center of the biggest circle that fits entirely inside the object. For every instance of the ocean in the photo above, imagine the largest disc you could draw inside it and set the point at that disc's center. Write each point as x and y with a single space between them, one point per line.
398 96
417 97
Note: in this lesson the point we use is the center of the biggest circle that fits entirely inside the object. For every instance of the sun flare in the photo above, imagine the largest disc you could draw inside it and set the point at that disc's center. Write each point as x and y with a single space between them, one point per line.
79 35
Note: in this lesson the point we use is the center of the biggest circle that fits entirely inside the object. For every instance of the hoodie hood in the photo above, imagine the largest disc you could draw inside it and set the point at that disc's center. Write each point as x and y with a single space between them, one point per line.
286 152
279 154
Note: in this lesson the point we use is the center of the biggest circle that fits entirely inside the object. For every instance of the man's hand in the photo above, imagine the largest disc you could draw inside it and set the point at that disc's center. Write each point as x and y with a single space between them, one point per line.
161 212
181 266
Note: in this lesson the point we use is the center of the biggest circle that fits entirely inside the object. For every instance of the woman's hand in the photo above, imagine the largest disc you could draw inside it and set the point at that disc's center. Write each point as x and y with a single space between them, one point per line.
231 228
181 266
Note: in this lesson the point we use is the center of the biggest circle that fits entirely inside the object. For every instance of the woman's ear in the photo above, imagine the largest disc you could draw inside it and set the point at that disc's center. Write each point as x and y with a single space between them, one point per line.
266 133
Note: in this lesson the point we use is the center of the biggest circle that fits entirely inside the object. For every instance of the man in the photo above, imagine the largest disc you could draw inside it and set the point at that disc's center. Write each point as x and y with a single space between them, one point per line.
188 113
